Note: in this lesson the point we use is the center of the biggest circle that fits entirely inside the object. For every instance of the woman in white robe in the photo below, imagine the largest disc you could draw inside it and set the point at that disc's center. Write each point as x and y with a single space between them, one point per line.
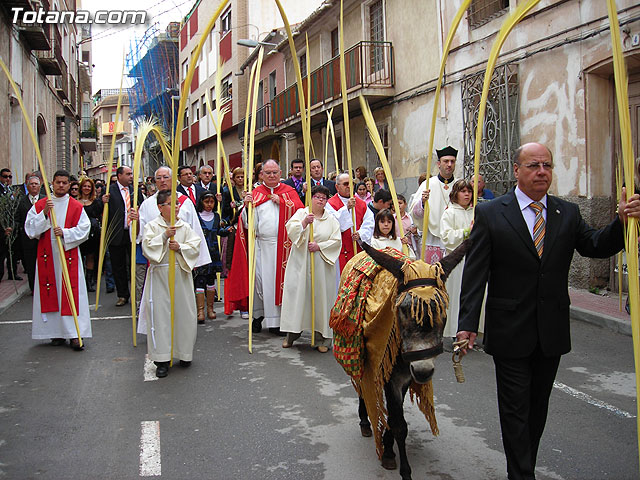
455 226
296 298
155 306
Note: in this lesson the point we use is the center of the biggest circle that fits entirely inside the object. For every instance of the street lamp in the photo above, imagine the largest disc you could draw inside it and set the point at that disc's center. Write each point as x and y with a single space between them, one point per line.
247 42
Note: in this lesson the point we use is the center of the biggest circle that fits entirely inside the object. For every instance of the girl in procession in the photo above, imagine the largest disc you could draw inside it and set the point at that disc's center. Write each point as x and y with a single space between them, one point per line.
205 276
455 226
384 233
296 299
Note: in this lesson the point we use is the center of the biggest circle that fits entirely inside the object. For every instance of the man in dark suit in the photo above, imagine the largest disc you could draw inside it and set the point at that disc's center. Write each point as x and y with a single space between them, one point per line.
523 243
186 185
29 246
205 176
315 166
121 213
6 177
296 180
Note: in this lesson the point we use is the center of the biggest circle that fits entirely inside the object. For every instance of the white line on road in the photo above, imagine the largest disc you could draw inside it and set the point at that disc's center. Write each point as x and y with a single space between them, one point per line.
150 449
15 322
593 401
149 369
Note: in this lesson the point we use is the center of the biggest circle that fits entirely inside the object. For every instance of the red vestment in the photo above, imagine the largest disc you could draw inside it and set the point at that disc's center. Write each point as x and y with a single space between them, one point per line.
46 270
238 278
346 252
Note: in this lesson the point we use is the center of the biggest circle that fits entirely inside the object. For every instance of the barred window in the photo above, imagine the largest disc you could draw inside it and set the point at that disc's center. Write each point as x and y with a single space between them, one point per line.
483 11
371 155
501 135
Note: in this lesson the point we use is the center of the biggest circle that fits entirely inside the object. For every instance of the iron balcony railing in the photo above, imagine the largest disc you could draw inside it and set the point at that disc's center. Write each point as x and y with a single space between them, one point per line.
367 64
263 120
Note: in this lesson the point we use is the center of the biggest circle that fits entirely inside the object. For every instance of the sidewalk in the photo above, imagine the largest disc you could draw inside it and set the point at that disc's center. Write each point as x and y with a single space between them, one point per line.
8 295
598 309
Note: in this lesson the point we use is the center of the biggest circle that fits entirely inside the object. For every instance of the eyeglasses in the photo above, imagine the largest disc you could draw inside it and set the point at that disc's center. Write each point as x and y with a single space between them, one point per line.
537 165
7 176
271 174
322 198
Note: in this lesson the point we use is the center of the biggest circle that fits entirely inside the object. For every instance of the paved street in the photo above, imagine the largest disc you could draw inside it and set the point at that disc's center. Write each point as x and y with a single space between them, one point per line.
281 413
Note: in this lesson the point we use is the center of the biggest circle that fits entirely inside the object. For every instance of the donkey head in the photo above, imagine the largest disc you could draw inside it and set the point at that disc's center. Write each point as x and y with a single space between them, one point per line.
421 307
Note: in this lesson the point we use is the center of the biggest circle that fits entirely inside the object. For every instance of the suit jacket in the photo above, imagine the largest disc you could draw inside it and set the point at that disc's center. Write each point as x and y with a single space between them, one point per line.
528 297
116 214
289 181
330 184
199 190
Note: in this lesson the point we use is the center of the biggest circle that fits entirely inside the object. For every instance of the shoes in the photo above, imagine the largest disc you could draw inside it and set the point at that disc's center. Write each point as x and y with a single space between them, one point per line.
244 315
323 348
57 342
276 331
256 325
121 302
75 344
286 344
365 430
162 369
185 363
110 290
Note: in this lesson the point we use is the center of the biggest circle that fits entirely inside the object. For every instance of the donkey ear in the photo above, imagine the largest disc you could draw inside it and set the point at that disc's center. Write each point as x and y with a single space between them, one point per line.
385 261
449 262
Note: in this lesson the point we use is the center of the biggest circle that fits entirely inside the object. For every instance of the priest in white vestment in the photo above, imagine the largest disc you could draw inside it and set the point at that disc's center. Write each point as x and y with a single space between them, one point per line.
296 299
52 315
435 190
156 299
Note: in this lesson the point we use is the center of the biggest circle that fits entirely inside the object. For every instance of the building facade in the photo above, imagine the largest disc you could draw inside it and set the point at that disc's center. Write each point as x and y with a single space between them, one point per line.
43 61
553 84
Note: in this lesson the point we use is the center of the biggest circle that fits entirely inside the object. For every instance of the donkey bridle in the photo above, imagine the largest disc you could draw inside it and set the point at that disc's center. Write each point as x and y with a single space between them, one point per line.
425 352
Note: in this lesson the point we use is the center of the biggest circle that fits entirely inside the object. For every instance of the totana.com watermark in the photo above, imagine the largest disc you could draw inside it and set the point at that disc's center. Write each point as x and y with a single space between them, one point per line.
100 17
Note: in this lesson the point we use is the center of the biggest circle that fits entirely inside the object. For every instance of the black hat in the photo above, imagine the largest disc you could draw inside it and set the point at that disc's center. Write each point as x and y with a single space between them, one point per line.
447 151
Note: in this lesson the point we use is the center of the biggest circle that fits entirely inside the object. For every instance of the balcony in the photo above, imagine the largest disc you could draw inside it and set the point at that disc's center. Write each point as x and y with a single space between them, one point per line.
369 65
36 36
61 82
51 61
264 121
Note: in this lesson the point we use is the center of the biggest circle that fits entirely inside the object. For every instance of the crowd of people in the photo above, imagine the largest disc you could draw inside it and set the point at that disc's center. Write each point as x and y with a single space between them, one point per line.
526 308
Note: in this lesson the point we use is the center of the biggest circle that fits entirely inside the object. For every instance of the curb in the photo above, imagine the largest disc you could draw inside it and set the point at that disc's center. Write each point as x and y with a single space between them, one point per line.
606 321
8 302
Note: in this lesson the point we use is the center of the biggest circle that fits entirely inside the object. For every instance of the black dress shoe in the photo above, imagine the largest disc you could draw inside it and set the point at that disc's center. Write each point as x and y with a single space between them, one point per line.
185 363
75 344
57 342
276 331
256 325
162 369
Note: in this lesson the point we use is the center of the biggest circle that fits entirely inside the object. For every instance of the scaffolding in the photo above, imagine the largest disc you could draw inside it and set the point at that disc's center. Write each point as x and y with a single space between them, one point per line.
152 65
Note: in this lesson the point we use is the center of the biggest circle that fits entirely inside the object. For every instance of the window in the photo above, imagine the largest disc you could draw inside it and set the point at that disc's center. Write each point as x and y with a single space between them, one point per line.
335 43
501 128
376 34
113 117
483 11
226 89
195 111
203 107
372 158
272 85
185 120
212 98
302 59
185 68
225 22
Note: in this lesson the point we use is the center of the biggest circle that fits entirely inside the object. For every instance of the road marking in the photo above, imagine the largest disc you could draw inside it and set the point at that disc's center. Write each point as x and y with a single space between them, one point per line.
593 401
149 369
150 449
15 322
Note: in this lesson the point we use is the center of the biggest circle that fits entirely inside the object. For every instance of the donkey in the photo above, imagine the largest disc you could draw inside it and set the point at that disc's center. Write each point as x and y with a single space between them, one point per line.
421 342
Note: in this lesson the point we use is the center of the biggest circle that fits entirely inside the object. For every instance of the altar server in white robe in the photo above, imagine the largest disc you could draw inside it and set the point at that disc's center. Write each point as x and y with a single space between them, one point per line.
156 298
296 299
436 191
52 316
455 226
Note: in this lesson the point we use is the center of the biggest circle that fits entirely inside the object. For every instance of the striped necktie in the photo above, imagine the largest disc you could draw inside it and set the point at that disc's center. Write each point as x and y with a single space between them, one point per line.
127 203
539 227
